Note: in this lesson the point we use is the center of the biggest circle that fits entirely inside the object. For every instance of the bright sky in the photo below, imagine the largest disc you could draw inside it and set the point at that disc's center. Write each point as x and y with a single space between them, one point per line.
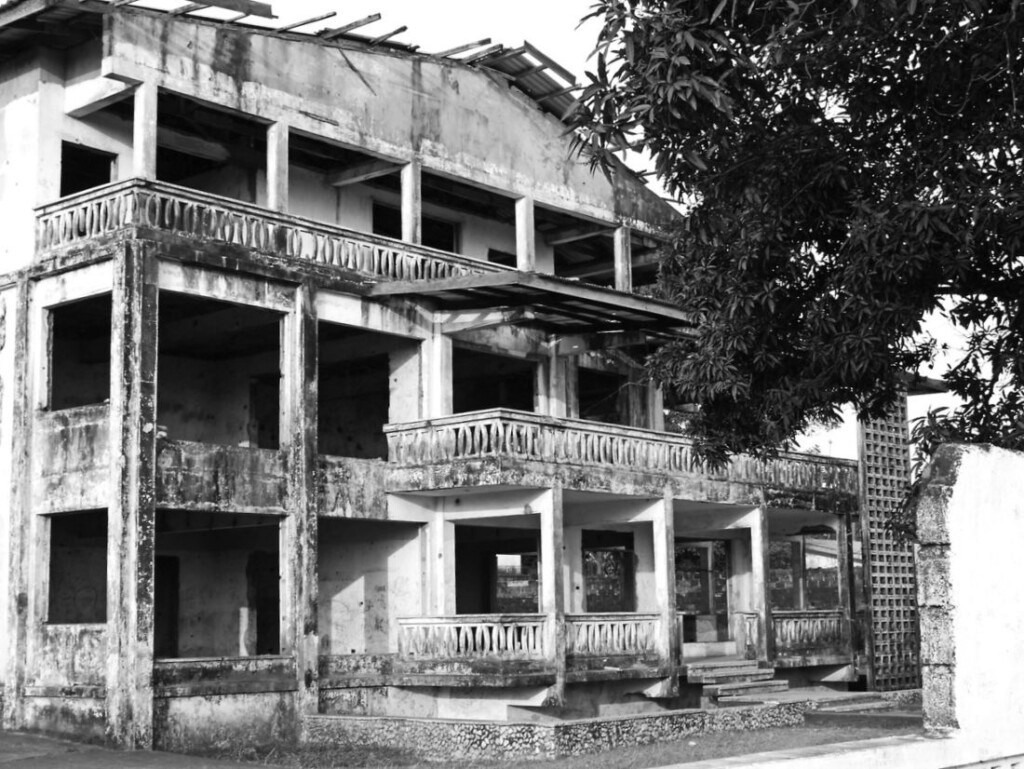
437 25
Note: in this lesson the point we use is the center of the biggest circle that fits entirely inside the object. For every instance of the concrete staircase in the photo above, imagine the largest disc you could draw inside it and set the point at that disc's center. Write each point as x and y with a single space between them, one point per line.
728 681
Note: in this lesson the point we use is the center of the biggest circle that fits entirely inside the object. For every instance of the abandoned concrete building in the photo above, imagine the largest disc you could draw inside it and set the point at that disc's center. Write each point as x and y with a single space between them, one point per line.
322 396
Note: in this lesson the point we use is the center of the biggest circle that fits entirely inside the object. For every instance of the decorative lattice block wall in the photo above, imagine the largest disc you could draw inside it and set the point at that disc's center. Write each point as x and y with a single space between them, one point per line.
889 566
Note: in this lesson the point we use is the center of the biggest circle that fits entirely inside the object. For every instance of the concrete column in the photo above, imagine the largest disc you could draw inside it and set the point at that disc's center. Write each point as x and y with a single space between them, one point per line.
623 259
131 520
526 236
556 386
20 513
663 529
144 131
656 406
575 586
441 566
552 557
277 167
48 155
437 372
412 203
299 528
760 602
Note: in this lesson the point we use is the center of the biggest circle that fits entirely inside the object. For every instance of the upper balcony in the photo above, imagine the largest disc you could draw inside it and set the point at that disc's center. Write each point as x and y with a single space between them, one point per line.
139 204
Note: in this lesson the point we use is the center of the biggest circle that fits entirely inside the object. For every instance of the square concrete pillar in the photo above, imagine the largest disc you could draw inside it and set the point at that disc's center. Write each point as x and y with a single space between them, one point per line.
144 131
299 528
526 236
412 203
131 516
552 604
277 167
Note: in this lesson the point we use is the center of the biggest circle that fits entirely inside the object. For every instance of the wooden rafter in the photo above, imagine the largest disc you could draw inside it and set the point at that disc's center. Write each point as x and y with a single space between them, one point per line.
389 35
339 31
463 48
304 22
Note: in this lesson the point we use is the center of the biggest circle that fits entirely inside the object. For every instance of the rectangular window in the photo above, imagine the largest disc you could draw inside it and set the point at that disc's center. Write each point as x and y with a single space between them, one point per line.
83 168
78 568
80 352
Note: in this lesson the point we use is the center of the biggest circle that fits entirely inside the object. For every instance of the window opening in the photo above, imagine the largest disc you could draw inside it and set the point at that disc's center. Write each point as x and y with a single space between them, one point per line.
82 168
217 585
219 372
434 232
486 381
80 352
78 568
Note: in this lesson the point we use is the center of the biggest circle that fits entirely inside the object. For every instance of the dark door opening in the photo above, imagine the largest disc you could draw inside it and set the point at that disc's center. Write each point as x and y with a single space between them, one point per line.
264 595
166 589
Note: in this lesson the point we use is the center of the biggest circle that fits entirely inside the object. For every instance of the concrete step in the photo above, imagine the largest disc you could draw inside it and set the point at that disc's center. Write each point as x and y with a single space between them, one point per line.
745 689
705 649
858 706
729 676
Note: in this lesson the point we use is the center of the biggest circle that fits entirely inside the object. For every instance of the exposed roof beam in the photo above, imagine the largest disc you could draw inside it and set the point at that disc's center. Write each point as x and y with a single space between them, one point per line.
463 48
475 320
339 31
484 54
552 64
189 8
572 234
360 173
389 35
90 96
304 22
559 92
248 7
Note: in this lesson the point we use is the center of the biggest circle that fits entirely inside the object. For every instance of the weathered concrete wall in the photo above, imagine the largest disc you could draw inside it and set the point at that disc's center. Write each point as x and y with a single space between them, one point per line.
73 452
971 596
370 574
457 120
8 324
189 724
196 476
25 88
353 488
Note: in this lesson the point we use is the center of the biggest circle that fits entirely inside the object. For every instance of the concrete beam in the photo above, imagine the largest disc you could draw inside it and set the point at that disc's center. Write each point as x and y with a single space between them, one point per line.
362 172
85 98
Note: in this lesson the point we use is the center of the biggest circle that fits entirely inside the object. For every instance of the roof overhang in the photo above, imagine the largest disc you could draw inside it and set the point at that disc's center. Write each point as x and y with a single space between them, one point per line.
556 304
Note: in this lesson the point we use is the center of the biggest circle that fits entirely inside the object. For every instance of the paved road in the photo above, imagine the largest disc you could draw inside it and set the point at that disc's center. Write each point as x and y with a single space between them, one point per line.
34 752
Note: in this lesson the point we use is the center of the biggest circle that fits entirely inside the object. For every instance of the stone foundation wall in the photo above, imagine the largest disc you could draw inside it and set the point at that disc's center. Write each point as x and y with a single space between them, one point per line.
475 740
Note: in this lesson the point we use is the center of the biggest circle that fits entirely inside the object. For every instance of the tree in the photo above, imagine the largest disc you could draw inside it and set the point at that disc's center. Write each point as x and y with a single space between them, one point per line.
850 167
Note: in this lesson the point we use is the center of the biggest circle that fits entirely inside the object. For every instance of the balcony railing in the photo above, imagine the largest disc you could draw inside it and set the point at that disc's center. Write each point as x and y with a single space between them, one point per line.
810 633
505 636
605 635
192 213
521 435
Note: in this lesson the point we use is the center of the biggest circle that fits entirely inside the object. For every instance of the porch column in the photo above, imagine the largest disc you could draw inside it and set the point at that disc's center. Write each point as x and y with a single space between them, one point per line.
557 391
144 131
299 528
663 525
526 236
277 167
440 569
844 558
412 203
575 586
130 522
760 599
623 259
552 594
